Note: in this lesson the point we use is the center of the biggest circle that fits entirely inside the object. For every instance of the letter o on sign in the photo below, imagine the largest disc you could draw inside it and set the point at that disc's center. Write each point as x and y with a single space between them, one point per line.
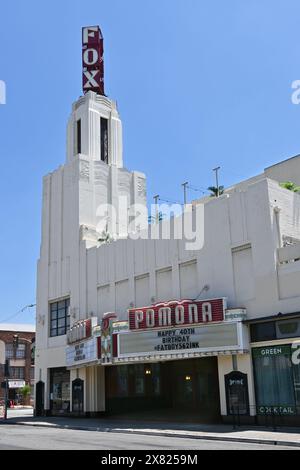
90 56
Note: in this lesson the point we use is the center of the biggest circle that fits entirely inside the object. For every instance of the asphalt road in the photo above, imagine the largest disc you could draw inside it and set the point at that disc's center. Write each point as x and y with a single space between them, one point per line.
18 437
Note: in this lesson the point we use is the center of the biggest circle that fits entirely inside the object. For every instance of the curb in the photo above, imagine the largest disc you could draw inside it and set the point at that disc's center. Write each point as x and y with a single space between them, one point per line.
272 442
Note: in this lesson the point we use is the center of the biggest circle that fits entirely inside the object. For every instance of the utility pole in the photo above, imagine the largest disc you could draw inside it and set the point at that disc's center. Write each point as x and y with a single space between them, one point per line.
156 198
217 179
184 185
6 376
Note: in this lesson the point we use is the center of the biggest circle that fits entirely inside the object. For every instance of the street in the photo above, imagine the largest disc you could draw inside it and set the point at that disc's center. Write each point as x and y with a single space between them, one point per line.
18 437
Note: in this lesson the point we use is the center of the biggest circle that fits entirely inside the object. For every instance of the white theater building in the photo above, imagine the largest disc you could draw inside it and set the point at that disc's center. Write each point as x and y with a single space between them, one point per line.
207 333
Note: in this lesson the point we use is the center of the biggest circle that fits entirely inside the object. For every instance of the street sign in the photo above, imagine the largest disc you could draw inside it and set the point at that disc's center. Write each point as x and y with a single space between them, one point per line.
16 383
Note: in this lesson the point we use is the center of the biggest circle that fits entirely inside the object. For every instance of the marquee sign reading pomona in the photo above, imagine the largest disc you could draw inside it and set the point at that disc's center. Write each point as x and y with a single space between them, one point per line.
176 313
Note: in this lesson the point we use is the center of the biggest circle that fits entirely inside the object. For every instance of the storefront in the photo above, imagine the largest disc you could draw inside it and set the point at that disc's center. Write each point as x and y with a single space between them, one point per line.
276 365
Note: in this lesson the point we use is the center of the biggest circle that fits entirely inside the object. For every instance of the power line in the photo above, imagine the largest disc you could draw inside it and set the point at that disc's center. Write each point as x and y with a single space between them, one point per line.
17 313
198 190
170 202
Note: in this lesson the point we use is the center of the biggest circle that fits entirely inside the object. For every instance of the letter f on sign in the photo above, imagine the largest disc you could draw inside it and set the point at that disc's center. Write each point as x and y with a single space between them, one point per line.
89 32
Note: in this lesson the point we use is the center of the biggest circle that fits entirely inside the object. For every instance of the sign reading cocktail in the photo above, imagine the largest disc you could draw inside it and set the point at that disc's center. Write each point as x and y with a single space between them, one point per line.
177 313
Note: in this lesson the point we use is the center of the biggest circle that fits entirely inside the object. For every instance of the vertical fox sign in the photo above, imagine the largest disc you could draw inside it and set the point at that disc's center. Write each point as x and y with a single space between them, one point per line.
92 60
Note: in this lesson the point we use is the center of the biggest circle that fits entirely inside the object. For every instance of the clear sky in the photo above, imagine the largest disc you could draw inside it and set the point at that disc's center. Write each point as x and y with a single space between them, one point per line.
199 83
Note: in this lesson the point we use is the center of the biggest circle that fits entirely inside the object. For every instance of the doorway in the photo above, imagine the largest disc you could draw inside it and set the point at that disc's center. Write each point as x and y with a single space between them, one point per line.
196 388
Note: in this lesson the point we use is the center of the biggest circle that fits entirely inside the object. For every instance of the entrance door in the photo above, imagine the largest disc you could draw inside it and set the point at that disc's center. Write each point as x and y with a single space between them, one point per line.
59 391
39 398
77 395
195 388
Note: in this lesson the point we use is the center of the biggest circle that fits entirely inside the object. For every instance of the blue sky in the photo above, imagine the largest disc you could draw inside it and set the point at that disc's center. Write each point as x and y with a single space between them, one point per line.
198 84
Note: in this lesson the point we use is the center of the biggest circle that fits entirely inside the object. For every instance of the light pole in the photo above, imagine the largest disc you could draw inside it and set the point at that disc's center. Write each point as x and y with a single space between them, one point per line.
6 376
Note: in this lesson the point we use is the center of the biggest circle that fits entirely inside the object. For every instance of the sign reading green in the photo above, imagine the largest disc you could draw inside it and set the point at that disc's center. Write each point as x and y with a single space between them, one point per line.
271 351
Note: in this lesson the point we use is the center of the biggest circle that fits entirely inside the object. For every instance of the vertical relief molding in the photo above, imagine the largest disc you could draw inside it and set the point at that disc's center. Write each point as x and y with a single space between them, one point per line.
113 140
70 138
116 144
94 135
60 232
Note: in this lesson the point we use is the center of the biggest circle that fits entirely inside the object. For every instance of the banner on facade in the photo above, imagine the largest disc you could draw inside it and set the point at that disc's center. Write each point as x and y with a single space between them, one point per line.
82 352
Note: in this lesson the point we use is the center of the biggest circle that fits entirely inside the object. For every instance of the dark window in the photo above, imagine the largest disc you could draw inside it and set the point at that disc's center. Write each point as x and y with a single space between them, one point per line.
31 373
104 140
78 136
59 317
17 372
288 328
263 331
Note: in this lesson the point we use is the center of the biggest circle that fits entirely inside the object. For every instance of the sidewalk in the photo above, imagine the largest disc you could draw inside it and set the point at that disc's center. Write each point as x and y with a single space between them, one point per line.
250 434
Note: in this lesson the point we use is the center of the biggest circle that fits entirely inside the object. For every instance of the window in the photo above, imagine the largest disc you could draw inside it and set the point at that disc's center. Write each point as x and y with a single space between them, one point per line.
9 351
20 352
59 317
78 136
32 373
274 377
104 140
17 372
271 330
263 331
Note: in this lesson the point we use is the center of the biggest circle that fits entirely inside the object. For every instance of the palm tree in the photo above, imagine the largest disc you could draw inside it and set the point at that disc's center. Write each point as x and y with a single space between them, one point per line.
214 191
152 219
105 238
25 392
290 186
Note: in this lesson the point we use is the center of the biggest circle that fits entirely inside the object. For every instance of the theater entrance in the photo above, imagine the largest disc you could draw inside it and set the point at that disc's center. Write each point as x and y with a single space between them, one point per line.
174 390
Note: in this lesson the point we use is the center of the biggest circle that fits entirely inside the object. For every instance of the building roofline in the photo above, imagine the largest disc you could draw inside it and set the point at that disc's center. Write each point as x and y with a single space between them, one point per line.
283 161
21 327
